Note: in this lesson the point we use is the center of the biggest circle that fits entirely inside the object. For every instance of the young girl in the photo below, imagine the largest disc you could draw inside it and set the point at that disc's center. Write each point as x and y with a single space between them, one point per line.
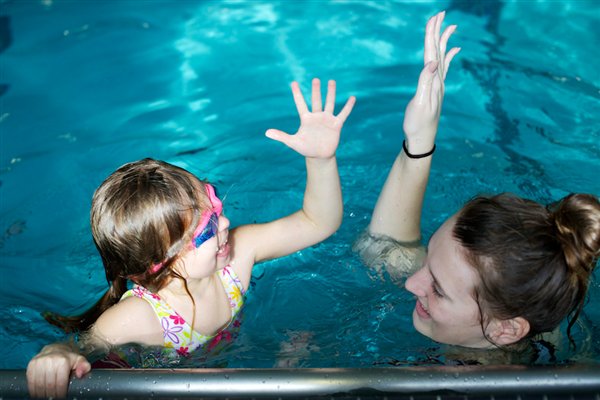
502 269
160 227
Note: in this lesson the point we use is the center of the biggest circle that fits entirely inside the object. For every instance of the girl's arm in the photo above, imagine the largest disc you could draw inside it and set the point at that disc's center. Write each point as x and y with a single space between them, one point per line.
49 371
397 214
129 321
321 213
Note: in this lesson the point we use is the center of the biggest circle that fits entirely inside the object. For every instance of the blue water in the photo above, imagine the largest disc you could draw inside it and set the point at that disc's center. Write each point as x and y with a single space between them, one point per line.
89 85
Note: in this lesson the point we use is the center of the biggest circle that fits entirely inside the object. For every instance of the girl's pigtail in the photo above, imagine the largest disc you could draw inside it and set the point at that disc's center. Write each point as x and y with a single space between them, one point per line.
81 323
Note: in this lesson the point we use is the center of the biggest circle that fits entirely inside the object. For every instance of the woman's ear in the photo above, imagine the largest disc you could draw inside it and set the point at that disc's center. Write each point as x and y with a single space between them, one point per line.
508 331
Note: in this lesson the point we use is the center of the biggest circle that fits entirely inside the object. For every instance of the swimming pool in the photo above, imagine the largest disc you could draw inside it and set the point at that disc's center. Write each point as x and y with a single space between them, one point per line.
88 86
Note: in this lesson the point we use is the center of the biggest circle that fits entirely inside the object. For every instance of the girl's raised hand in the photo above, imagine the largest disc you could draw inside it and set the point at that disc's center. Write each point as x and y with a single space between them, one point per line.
423 111
319 132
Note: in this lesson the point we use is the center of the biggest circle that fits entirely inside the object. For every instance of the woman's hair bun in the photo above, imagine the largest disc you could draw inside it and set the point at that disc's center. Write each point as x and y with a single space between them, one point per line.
576 218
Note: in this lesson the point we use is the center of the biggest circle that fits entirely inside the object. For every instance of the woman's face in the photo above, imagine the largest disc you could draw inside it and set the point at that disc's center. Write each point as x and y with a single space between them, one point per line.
446 310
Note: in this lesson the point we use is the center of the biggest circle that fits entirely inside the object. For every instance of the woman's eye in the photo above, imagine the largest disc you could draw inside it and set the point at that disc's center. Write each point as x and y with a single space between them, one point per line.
436 292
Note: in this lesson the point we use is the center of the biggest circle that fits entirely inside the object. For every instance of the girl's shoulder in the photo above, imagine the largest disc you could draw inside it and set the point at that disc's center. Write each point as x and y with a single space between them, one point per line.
132 320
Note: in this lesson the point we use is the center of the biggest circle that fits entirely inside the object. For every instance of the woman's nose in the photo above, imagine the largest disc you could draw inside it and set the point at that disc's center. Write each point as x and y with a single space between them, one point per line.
416 283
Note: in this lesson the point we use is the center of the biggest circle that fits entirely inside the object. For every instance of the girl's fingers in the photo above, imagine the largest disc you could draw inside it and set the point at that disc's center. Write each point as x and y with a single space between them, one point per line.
330 100
62 382
82 366
347 109
454 51
299 99
317 106
278 135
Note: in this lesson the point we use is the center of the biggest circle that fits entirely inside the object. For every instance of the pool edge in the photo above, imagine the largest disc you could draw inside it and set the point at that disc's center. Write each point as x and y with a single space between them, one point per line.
232 383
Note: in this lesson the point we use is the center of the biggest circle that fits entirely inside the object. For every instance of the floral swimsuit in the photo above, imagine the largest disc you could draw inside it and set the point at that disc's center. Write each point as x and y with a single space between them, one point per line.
178 334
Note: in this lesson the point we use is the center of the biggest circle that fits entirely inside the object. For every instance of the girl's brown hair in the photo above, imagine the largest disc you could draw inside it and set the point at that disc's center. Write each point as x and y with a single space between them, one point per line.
143 214
533 261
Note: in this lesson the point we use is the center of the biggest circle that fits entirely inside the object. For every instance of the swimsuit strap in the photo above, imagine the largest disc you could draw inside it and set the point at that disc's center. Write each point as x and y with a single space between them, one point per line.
234 289
177 333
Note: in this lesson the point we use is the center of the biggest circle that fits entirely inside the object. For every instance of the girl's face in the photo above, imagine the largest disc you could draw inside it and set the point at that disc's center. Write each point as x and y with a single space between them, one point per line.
212 255
446 310
209 248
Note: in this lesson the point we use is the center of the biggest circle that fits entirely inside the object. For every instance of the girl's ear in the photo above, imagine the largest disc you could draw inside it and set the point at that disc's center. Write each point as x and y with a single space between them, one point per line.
508 331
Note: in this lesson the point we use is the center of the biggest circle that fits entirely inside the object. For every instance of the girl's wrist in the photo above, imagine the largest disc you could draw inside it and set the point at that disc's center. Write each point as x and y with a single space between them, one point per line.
324 160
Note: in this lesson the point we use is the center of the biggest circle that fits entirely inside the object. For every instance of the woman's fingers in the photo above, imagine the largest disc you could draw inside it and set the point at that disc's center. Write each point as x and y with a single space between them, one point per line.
444 39
425 80
438 26
454 51
430 53
435 45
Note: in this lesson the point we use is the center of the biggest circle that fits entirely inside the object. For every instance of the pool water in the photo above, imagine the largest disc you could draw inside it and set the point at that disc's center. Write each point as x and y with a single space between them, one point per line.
88 86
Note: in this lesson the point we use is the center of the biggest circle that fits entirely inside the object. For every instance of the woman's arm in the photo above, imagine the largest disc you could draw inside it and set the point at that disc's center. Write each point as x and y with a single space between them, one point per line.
397 214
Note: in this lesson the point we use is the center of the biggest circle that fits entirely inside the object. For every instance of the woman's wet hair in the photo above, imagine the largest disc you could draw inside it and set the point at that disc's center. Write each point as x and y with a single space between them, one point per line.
533 261
143 214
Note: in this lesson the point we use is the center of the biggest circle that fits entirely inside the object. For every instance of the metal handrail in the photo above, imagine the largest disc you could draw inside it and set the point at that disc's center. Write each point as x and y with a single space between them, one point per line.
231 383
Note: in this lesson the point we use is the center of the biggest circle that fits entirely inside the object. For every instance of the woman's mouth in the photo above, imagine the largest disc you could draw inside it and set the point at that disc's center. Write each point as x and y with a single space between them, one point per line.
422 312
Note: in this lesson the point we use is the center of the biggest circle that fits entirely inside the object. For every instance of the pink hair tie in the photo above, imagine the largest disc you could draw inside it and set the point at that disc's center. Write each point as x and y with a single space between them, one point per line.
157 267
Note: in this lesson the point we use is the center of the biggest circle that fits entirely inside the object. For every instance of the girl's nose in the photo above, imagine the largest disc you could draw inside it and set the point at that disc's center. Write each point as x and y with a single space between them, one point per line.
417 283
223 223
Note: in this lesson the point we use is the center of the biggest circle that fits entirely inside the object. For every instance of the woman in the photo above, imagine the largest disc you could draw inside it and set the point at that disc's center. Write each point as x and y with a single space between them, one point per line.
502 269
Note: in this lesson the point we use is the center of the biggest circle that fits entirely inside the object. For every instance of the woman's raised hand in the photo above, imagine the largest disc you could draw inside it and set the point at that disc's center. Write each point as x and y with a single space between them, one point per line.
422 114
319 133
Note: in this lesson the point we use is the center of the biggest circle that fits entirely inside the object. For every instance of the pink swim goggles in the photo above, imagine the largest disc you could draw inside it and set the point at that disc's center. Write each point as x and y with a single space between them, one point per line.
208 226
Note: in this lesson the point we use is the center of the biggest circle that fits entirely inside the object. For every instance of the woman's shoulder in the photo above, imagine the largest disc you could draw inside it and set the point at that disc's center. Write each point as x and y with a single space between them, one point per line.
400 259
132 320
